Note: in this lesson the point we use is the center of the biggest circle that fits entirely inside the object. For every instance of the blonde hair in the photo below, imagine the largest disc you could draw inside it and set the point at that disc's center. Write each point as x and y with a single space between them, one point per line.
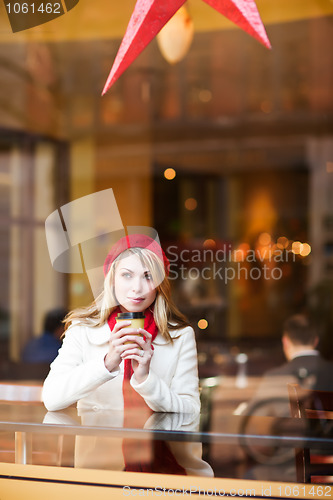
166 314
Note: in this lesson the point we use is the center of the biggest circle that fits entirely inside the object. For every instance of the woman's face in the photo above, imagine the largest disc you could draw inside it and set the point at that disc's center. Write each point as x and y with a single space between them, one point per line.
133 285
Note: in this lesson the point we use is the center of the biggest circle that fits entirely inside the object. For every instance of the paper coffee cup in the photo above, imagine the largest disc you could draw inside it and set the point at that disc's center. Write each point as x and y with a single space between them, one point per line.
137 321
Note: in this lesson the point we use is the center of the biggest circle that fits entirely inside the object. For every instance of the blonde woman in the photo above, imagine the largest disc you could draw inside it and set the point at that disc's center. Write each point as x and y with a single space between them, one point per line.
99 356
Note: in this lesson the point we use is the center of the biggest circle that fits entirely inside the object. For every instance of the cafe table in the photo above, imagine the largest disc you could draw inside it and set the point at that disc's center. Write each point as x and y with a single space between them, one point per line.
101 454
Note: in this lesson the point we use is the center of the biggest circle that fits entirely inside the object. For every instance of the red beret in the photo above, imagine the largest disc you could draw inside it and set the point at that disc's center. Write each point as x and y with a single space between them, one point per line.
135 241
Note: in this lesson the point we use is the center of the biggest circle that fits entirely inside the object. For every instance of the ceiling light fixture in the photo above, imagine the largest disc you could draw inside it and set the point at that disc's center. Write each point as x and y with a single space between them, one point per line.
175 38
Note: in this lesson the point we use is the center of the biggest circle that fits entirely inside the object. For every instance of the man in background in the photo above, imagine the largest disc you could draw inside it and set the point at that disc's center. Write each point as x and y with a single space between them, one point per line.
304 366
44 348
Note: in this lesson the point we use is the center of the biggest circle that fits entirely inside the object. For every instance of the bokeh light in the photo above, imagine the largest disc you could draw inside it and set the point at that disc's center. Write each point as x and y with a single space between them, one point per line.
209 243
169 173
297 247
202 324
306 250
282 242
264 239
240 253
191 204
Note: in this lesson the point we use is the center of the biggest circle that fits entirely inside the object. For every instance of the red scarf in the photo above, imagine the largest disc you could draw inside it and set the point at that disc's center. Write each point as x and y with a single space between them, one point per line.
161 458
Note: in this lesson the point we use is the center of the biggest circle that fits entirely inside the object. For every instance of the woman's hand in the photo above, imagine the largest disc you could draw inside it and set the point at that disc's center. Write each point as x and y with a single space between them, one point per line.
121 333
140 357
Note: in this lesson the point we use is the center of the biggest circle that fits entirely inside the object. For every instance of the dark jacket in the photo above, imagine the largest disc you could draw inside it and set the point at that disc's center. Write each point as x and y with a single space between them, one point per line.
309 371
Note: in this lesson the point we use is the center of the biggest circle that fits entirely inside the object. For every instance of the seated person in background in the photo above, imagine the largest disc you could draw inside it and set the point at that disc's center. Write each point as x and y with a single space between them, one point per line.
304 366
44 349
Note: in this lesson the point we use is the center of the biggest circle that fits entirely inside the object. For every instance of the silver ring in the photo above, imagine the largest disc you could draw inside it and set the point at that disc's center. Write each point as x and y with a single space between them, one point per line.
142 354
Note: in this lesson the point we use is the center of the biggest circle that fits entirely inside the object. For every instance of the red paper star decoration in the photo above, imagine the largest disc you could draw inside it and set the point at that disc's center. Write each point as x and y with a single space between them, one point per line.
149 17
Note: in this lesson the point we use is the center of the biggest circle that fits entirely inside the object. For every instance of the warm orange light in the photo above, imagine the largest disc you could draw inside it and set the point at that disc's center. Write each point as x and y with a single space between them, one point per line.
261 214
329 167
219 358
191 204
209 243
282 242
265 252
169 173
264 239
240 253
297 247
306 249
202 324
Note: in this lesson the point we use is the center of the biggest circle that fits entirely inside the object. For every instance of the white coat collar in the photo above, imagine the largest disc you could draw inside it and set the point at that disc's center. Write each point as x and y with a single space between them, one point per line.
99 335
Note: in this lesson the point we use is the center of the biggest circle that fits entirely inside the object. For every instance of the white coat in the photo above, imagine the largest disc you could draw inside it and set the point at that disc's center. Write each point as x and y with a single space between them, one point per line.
78 374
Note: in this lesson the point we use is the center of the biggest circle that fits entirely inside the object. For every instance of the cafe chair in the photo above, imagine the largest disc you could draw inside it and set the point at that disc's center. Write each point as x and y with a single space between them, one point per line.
316 407
22 395
264 418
